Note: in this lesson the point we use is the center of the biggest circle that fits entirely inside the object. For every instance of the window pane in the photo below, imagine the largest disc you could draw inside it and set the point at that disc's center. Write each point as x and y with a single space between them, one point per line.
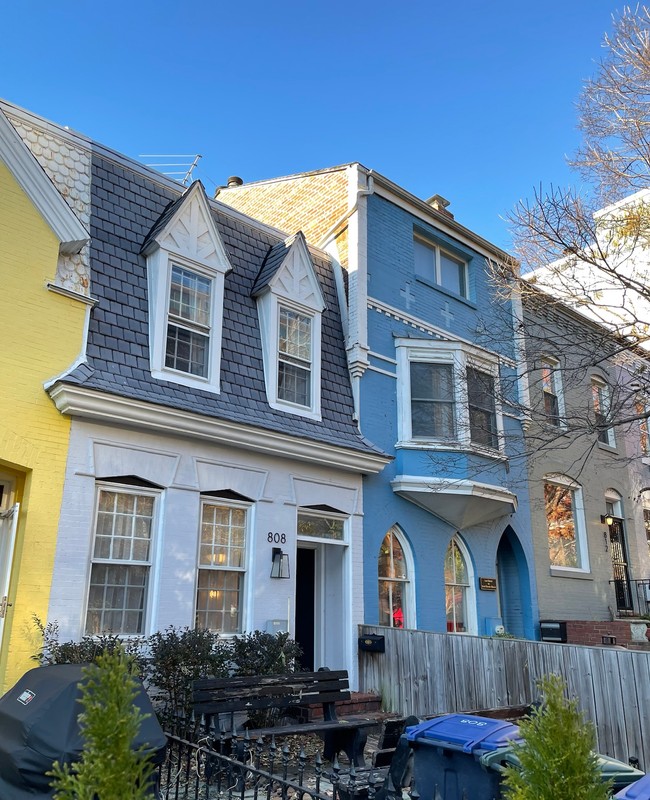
223 536
425 260
392 582
562 539
189 296
294 384
452 273
218 600
187 351
482 412
321 527
116 599
295 334
432 400
127 523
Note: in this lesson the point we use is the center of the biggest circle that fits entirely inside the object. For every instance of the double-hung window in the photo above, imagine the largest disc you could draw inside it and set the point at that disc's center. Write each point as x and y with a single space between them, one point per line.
189 322
393 577
551 391
294 357
602 409
482 408
437 265
222 567
565 523
121 561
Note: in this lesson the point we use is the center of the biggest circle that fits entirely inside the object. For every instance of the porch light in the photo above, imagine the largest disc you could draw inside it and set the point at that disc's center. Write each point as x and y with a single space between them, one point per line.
606 519
279 563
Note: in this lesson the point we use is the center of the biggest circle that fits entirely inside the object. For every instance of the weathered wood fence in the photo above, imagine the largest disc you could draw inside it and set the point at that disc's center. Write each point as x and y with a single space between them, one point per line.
425 673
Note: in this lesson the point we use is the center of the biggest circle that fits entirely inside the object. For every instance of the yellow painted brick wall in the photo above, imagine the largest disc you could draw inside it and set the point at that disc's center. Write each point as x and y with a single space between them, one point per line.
42 334
310 203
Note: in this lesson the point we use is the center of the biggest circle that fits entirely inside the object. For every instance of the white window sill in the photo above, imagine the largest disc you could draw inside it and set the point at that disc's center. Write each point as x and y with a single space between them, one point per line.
609 448
570 572
287 408
451 447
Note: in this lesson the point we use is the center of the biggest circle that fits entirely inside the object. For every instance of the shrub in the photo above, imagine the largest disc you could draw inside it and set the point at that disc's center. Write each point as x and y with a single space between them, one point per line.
557 758
260 653
109 768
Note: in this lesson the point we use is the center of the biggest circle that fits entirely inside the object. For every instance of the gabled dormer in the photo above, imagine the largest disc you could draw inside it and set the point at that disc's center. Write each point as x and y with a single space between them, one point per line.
186 268
290 305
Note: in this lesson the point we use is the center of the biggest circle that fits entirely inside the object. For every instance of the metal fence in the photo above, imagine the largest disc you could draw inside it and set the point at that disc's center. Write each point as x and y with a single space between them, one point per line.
632 597
234 769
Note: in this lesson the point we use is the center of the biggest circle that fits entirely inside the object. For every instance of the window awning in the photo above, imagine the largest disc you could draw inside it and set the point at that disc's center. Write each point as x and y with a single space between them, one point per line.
461 503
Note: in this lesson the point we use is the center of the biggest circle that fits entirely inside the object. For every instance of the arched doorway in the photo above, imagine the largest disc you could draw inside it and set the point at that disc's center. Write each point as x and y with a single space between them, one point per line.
514 588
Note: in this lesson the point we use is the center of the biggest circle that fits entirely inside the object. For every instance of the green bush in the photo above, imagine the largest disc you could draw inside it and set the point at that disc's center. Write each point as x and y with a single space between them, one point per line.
109 767
557 757
260 653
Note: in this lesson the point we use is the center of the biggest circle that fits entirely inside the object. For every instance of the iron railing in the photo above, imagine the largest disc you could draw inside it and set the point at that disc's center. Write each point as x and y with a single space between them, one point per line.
234 769
632 597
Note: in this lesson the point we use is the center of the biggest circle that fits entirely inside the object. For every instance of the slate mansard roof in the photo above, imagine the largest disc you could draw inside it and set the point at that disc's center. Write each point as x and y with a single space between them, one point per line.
126 208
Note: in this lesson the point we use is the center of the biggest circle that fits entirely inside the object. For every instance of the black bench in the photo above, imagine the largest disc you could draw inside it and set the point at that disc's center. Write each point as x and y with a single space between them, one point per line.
219 700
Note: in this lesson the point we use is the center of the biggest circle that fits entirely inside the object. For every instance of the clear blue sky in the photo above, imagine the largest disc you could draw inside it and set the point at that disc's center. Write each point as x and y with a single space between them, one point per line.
472 100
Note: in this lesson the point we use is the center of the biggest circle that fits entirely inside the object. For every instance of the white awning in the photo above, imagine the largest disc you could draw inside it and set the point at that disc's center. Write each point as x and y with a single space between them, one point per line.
461 503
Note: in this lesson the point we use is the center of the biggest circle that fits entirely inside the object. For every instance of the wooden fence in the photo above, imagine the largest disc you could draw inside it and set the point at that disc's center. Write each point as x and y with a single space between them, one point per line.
425 673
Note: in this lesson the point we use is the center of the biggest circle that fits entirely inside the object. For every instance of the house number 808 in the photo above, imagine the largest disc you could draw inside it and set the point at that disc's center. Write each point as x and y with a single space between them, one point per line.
276 538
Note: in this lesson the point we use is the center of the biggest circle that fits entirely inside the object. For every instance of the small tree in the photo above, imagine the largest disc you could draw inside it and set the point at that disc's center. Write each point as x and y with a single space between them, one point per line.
557 757
109 767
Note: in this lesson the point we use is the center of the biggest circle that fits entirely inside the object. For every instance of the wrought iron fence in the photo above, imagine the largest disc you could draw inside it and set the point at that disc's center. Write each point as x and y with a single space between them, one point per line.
636 596
240 769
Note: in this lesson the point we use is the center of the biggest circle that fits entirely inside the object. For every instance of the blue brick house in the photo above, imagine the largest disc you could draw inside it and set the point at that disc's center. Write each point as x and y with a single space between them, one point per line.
214 470
434 365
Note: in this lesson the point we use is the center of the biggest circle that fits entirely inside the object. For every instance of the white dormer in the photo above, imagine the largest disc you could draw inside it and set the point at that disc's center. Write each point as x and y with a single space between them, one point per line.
290 305
186 268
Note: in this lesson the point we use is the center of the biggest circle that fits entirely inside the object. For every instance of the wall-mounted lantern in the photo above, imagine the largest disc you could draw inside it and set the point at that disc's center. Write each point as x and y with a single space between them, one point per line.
279 563
607 519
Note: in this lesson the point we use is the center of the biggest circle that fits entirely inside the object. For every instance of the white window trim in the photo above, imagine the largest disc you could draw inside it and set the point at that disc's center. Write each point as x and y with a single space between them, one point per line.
437 249
558 387
472 612
460 356
410 618
578 521
159 269
149 625
310 512
269 313
247 588
598 381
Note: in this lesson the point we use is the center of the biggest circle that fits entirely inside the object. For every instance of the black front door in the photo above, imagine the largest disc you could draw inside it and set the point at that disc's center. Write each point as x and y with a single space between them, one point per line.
304 624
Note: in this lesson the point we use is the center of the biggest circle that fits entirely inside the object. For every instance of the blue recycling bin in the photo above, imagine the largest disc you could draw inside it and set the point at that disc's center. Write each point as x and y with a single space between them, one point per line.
639 790
447 753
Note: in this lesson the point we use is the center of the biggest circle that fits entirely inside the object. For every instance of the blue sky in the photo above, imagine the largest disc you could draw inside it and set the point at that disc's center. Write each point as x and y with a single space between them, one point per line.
471 100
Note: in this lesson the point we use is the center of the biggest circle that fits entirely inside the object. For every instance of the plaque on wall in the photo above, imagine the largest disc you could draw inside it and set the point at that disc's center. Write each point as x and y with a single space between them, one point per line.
487 584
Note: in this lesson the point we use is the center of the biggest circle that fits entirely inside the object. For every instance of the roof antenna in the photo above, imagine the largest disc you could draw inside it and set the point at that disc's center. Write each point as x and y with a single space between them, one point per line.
186 167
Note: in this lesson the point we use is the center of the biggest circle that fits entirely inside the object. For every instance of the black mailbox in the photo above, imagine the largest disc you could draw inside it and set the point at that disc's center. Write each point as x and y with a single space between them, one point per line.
372 643
552 630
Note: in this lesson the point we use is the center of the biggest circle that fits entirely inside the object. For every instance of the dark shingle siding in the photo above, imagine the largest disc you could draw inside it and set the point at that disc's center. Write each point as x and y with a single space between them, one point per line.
125 207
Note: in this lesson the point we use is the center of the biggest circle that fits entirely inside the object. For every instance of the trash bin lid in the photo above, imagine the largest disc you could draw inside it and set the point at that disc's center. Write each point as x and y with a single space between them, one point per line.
620 773
639 790
465 731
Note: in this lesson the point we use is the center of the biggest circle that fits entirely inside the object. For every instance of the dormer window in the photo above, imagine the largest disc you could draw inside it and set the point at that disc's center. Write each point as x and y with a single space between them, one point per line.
290 304
186 267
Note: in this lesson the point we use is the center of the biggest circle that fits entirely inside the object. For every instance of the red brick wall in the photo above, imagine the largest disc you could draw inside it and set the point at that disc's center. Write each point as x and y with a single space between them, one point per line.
591 632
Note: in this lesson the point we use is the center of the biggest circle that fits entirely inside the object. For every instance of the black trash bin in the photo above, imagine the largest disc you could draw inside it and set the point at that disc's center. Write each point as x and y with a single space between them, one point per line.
39 725
447 752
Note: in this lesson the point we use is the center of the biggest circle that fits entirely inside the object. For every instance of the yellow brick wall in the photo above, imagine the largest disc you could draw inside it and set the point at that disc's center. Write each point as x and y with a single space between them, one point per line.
310 203
41 336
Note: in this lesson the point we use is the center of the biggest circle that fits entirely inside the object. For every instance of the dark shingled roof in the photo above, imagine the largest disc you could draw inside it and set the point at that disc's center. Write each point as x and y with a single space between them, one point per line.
273 261
127 209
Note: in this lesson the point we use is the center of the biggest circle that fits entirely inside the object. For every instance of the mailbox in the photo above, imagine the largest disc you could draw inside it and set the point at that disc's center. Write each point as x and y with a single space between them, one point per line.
552 630
372 643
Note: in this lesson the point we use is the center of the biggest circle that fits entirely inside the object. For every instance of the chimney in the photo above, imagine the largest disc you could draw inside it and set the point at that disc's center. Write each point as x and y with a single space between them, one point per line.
440 203
234 180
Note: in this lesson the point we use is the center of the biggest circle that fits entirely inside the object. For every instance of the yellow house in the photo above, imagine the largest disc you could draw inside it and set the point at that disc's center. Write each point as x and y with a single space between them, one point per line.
42 325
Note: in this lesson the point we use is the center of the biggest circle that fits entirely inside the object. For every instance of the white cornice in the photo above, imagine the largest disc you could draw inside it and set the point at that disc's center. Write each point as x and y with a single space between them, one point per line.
41 191
77 401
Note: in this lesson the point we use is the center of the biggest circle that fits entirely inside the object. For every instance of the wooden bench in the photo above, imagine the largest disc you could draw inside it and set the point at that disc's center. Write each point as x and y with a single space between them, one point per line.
220 701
